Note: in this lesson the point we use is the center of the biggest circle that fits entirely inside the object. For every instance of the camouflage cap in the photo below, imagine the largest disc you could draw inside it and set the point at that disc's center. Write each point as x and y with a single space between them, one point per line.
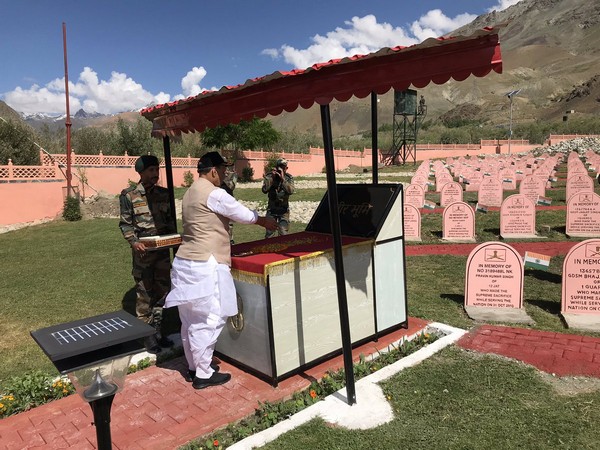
281 162
145 161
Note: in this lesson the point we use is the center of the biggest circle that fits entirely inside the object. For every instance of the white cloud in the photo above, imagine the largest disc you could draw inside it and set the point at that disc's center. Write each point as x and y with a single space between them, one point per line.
503 4
435 23
119 93
40 99
365 35
190 84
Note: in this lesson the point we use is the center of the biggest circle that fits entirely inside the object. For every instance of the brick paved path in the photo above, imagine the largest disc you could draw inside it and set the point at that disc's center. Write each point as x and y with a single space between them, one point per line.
557 353
158 410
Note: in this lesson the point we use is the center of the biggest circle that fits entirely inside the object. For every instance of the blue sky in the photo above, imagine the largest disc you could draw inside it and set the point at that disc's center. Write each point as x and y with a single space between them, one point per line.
126 54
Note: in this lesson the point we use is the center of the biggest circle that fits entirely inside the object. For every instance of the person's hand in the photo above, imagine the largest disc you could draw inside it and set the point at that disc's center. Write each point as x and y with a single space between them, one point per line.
275 173
139 247
267 222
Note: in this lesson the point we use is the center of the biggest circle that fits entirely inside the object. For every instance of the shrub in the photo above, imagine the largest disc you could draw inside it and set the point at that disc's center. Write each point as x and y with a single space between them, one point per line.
32 389
36 388
72 209
188 179
247 174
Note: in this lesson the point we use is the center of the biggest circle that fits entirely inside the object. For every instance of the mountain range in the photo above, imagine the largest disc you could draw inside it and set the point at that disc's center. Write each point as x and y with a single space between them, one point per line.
550 51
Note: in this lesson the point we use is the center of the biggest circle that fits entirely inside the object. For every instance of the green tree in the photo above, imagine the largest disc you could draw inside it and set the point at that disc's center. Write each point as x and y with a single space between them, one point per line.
92 141
246 135
135 139
17 144
52 140
293 141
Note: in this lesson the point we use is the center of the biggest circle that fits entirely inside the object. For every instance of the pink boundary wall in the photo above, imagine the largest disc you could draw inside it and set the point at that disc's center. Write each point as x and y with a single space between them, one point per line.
43 186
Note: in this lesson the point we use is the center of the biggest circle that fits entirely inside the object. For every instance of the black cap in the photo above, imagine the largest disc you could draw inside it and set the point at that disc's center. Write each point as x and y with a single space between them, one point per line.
212 159
145 161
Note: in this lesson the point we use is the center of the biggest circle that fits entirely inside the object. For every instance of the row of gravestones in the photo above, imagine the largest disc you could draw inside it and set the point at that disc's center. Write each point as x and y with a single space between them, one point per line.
517 212
494 285
493 179
517 219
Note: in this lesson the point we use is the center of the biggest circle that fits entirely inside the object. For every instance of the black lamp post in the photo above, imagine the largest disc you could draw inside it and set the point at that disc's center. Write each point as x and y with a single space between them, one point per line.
95 353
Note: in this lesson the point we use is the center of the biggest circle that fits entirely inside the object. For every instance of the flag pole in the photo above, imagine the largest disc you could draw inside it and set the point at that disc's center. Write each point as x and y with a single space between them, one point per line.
68 118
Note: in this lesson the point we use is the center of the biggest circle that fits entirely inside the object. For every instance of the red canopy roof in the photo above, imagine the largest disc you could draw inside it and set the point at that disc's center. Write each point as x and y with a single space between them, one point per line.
435 60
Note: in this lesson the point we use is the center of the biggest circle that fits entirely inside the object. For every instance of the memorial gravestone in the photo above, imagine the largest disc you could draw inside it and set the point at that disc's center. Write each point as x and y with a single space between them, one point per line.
577 169
474 181
441 180
458 223
414 195
580 303
420 180
517 218
583 215
412 223
451 192
532 187
490 192
494 284
509 179
578 183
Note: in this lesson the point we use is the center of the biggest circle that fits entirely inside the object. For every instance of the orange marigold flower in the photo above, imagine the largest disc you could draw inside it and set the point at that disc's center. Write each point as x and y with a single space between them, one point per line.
216 442
312 393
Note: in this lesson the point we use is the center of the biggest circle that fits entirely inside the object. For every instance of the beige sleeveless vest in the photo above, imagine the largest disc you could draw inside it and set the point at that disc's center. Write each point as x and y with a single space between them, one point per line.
205 233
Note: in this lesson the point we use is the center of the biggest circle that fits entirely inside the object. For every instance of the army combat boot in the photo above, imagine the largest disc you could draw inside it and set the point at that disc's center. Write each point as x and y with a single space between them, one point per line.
151 344
161 341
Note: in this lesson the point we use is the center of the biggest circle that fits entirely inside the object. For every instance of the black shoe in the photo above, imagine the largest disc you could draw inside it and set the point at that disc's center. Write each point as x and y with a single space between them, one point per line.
191 374
215 379
165 342
151 345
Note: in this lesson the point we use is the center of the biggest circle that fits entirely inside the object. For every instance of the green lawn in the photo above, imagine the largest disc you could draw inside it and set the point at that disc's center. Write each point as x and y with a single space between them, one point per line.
63 271
461 400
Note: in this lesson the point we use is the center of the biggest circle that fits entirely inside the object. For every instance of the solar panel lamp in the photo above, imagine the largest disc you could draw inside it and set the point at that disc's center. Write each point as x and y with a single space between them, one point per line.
101 379
95 354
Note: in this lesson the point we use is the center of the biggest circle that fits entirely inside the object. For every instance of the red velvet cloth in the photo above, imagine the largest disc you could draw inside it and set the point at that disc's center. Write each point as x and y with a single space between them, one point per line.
254 256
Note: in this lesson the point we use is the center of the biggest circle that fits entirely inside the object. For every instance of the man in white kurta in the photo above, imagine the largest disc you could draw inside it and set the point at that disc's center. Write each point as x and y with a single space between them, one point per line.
202 286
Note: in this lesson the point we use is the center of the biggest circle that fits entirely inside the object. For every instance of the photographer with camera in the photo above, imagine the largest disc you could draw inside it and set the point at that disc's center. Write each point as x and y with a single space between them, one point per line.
279 185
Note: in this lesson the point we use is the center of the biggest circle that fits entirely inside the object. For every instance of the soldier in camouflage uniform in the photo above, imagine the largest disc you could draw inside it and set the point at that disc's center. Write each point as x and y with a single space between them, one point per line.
146 211
279 185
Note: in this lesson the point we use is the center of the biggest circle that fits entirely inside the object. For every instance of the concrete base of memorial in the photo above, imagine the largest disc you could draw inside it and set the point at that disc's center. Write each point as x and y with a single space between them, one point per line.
522 236
460 241
587 322
487 314
412 239
583 235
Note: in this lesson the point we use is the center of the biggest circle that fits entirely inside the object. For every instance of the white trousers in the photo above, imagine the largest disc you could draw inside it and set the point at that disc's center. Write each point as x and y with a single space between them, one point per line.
201 325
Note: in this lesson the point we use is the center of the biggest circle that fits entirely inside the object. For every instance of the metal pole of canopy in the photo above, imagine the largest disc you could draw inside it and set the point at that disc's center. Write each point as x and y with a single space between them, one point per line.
374 145
169 172
336 232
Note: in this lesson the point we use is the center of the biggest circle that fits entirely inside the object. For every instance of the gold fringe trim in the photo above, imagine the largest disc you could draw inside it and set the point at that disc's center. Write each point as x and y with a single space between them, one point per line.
310 260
